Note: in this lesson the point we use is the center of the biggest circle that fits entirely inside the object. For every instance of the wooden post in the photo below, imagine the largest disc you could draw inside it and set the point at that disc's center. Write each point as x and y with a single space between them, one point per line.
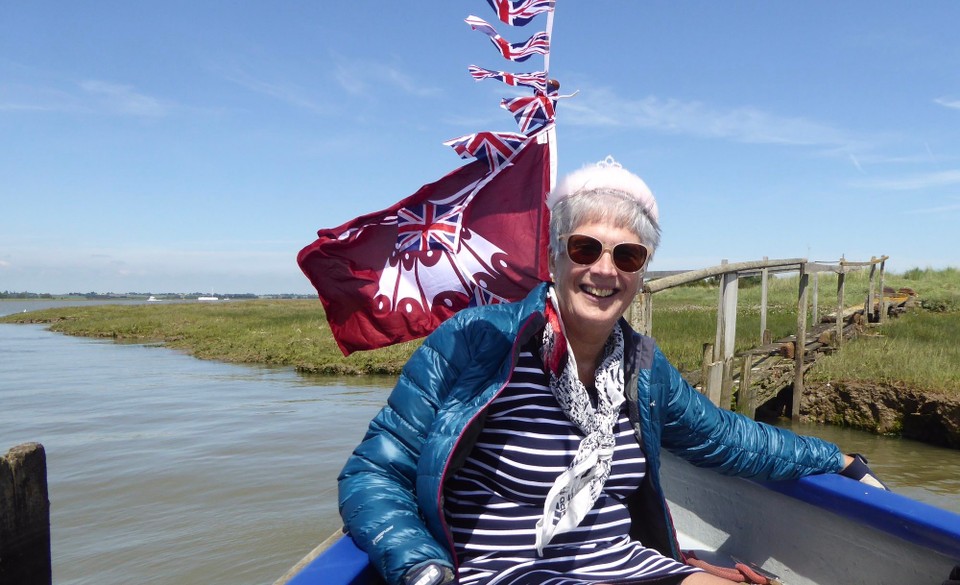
648 313
764 275
868 307
705 364
747 394
715 382
718 339
800 348
24 516
726 334
815 310
726 386
883 297
641 313
841 277
728 311
711 374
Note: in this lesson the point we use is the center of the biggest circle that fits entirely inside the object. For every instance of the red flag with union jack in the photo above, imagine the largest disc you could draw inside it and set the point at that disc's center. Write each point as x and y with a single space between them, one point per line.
476 236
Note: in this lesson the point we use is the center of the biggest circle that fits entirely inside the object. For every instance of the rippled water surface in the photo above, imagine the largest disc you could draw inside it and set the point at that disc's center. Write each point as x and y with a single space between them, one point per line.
167 469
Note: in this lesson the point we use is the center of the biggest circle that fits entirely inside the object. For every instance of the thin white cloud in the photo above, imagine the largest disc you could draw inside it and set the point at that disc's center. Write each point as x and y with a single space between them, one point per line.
915 182
948 208
748 124
124 99
948 102
285 92
856 163
20 107
369 77
5 264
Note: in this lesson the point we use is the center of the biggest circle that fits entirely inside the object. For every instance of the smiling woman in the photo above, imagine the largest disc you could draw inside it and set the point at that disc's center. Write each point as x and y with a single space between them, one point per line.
523 441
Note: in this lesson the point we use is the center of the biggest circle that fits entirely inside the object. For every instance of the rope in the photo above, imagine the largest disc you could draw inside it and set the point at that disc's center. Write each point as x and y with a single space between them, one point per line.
739 573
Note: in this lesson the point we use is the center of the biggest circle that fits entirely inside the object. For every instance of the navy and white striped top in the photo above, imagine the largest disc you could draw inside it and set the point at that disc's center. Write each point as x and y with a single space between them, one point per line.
494 501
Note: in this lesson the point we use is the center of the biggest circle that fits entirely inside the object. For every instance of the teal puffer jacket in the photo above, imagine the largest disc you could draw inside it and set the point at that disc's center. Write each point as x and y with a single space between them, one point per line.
391 488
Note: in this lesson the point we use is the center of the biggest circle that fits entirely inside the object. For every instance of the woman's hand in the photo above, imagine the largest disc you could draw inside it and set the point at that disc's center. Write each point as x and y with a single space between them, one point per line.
855 467
429 573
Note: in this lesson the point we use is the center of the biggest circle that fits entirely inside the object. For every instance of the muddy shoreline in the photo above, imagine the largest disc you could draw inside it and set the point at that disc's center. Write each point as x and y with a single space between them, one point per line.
884 408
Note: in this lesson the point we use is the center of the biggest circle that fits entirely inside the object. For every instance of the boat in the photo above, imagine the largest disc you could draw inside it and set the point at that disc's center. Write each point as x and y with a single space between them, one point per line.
153 299
818 530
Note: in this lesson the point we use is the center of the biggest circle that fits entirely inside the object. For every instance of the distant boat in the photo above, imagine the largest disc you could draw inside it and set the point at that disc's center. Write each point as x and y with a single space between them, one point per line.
153 299
208 299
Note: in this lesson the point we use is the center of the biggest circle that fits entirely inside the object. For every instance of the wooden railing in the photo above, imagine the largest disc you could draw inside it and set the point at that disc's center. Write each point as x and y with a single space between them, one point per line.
718 368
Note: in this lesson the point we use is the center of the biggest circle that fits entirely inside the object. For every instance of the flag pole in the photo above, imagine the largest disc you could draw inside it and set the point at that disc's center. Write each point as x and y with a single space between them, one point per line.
552 132
546 57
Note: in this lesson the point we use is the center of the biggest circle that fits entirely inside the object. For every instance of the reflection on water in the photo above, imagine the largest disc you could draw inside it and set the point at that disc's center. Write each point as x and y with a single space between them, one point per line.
10 306
167 469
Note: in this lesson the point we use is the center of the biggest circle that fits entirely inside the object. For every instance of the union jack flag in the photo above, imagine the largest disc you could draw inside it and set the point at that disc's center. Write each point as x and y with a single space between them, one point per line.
428 226
536 80
531 112
375 294
520 12
494 147
538 44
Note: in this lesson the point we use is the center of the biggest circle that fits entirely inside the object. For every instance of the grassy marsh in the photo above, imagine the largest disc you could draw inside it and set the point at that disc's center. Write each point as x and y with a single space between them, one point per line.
271 332
921 349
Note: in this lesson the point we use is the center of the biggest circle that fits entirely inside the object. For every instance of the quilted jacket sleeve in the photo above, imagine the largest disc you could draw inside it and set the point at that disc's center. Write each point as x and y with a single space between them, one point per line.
707 436
377 485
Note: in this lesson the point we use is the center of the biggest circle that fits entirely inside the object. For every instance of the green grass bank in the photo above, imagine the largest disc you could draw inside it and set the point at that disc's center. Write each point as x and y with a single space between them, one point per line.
899 377
920 349
269 332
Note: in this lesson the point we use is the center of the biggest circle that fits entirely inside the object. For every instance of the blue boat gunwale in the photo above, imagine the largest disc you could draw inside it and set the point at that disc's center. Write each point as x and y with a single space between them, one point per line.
926 526
343 563
922 524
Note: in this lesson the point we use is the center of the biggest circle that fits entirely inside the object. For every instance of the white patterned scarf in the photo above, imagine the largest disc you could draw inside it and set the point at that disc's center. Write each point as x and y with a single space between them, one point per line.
576 490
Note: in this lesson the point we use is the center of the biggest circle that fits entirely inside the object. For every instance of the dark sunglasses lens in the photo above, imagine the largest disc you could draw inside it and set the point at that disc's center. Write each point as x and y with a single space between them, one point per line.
629 257
584 249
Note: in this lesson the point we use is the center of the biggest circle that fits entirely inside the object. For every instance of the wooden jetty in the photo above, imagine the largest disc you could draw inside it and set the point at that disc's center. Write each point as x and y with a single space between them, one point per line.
748 379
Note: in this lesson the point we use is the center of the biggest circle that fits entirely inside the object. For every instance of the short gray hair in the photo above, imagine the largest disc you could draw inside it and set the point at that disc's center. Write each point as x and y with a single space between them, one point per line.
603 192
602 205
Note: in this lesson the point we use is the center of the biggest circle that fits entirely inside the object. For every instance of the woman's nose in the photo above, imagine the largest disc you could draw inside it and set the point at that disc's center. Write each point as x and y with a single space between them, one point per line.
604 265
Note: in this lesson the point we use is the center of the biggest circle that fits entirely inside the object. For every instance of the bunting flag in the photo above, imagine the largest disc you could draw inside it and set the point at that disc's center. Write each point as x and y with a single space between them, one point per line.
520 12
494 147
536 80
532 112
476 236
538 44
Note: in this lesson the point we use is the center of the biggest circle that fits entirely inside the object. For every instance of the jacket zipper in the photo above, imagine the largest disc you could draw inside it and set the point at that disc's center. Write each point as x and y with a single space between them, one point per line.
514 355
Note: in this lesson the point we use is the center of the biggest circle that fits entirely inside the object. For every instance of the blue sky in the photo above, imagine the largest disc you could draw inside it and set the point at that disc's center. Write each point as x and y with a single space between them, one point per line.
197 146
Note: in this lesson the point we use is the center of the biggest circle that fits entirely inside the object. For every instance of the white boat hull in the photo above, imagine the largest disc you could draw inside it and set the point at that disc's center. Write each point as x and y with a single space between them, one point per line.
829 539
820 530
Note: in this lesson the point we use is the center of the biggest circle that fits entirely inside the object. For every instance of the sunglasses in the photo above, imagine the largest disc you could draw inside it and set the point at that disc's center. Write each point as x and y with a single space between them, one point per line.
585 250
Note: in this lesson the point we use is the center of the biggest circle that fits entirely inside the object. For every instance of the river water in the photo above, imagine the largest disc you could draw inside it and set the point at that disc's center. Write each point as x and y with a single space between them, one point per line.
167 469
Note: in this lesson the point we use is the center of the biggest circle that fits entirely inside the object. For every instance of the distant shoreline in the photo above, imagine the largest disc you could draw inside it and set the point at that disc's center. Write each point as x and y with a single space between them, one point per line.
295 333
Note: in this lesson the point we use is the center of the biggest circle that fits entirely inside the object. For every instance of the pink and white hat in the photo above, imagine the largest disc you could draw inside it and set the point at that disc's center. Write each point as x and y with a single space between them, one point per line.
606 175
